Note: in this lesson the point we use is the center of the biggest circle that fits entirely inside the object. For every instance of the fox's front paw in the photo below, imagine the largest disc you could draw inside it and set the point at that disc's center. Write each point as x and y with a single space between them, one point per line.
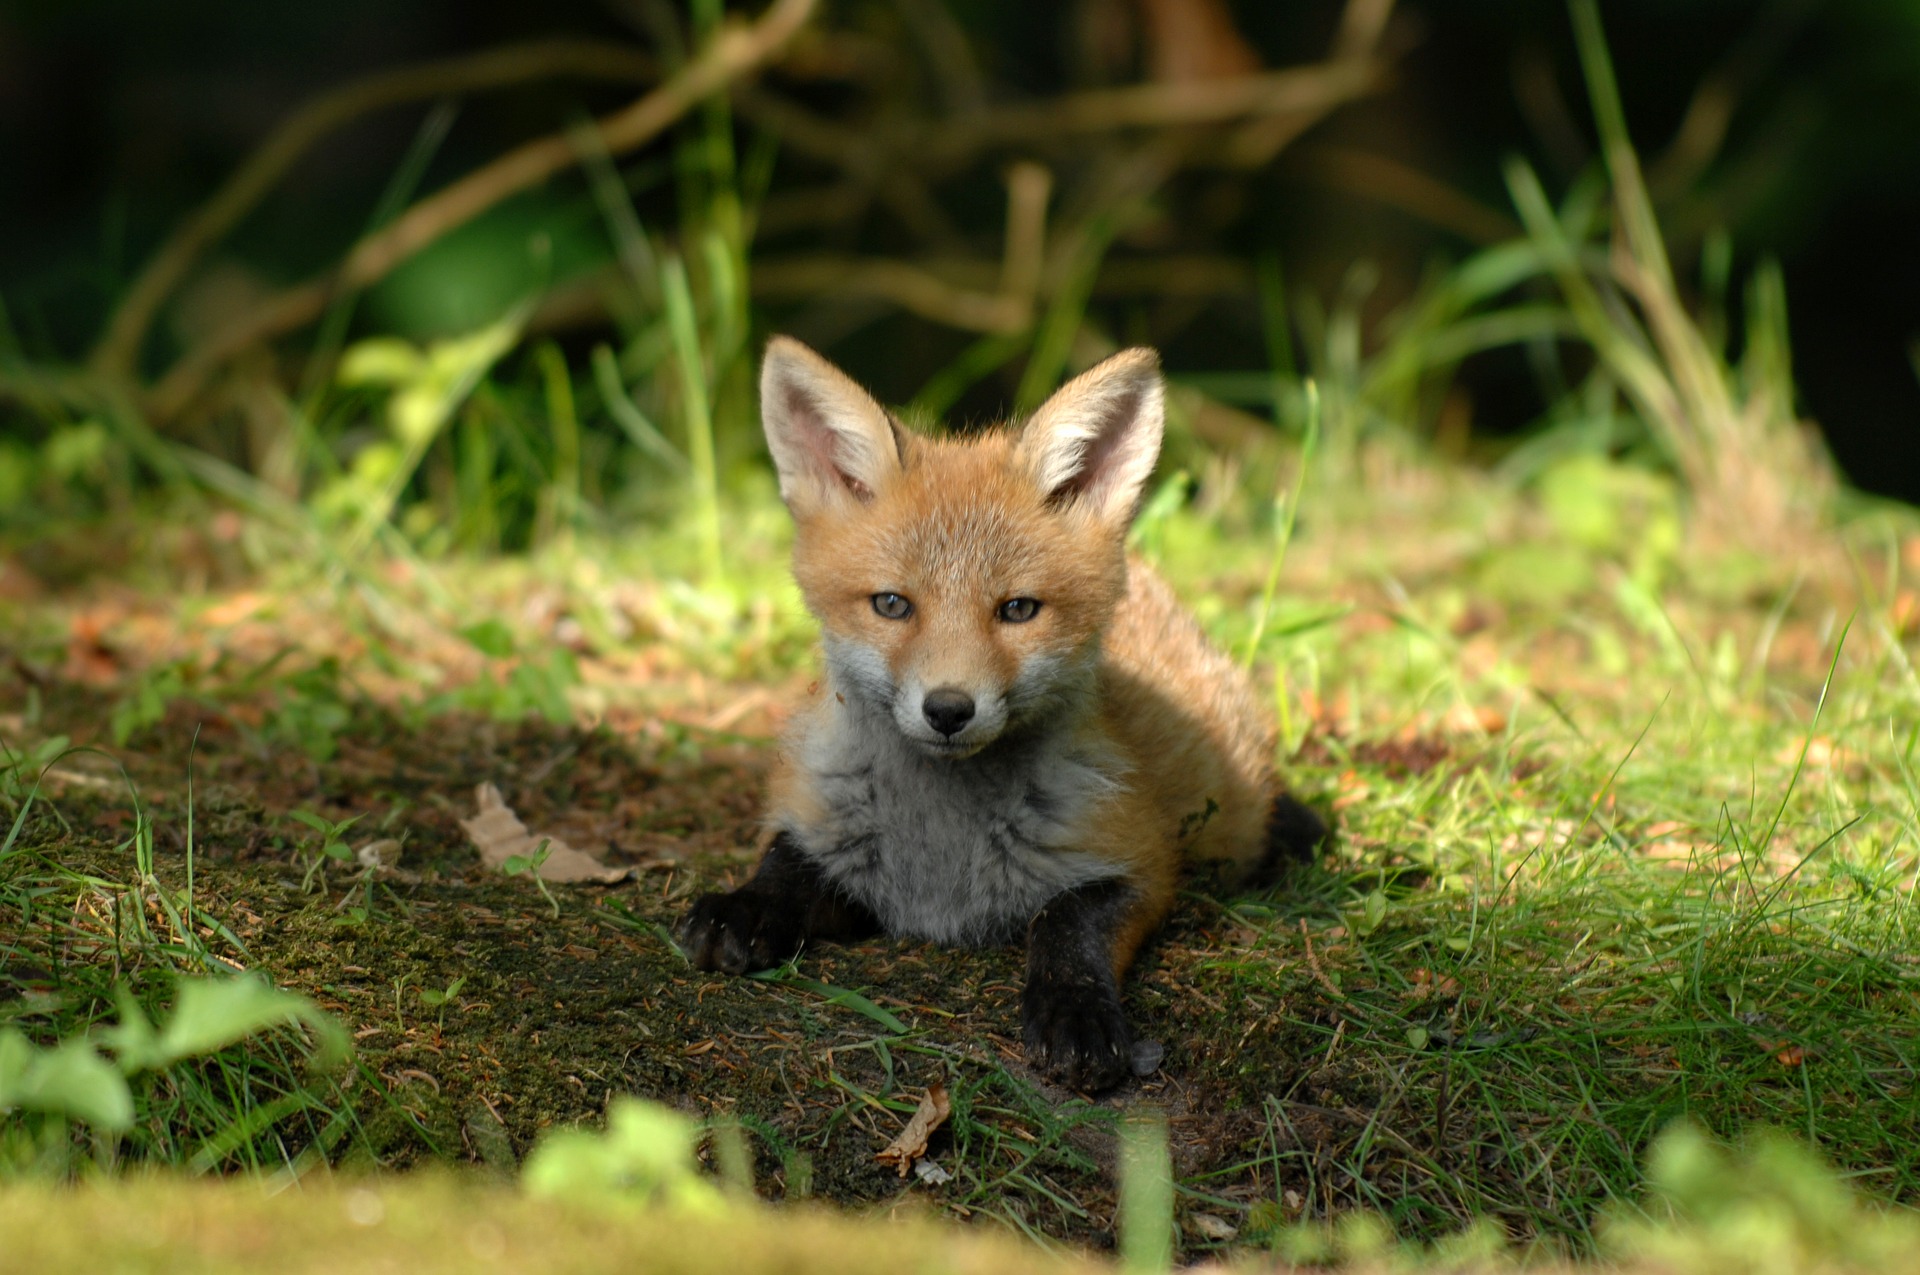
741 931
1076 1033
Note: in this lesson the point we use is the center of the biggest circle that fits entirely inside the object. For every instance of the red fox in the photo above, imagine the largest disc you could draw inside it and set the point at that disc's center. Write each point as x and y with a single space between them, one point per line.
1020 730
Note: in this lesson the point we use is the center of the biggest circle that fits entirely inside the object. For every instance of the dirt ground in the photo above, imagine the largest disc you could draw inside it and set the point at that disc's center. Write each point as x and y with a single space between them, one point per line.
563 1004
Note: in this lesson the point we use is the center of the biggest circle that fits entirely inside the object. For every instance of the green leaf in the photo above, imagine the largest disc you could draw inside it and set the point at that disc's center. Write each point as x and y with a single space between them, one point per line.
1373 911
837 996
70 1080
646 1151
490 637
431 997
381 360
211 1013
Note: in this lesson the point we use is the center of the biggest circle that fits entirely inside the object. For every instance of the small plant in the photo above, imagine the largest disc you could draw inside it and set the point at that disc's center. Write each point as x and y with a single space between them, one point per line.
516 685
21 771
146 703
1768 1205
312 711
530 865
441 998
332 847
72 1081
645 1155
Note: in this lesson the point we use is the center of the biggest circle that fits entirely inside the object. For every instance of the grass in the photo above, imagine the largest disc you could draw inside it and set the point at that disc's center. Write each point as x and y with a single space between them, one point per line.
1617 847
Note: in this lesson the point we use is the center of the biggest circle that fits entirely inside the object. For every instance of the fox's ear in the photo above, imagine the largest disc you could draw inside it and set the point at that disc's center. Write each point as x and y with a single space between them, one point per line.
1096 440
831 442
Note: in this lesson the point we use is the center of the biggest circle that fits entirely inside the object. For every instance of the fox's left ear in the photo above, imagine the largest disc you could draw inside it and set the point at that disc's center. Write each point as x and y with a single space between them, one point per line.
1096 440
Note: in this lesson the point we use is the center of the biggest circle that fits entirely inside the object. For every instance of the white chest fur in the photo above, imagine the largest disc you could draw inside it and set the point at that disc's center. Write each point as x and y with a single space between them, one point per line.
952 850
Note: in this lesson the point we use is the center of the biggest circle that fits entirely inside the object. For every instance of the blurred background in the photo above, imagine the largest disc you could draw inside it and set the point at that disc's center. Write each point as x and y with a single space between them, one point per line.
960 200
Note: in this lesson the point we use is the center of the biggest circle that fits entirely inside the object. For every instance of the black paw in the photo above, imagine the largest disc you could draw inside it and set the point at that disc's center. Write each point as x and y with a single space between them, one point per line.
1076 1033
1296 833
741 931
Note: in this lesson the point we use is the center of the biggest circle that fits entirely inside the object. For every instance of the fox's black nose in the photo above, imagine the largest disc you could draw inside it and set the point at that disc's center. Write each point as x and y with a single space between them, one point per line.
948 711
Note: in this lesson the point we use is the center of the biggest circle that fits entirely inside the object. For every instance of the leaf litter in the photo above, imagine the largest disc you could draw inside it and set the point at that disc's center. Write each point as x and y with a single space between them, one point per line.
497 833
911 1144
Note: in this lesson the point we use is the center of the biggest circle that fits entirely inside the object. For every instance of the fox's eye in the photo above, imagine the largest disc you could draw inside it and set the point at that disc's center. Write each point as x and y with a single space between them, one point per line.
892 605
1019 610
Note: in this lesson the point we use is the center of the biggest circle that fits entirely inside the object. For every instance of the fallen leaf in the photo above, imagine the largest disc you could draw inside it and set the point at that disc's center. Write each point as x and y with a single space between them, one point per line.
231 611
383 858
1817 753
912 1142
381 854
89 658
498 834
1465 719
1903 614
1425 985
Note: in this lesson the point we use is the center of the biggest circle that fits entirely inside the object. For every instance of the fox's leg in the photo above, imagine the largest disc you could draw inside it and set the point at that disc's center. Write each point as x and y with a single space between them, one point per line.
788 901
1078 949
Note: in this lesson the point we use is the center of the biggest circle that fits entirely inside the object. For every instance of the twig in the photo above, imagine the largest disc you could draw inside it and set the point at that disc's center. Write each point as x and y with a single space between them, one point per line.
733 53
1309 90
1402 186
1362 24
119 349
1028 186
1313 963
1300 94
910 287
875 163
924 292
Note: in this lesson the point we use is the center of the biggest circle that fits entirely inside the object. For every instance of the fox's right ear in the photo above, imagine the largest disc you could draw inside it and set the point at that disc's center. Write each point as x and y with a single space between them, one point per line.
830 441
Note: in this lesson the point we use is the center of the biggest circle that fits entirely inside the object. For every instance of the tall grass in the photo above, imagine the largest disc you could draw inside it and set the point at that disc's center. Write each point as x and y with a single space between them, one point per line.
1731 430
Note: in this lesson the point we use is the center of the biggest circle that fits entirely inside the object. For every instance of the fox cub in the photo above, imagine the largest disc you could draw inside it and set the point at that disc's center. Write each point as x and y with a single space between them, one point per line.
1020 731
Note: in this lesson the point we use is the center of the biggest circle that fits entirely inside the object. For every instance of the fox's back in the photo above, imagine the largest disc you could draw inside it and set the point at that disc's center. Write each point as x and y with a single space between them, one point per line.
1192 720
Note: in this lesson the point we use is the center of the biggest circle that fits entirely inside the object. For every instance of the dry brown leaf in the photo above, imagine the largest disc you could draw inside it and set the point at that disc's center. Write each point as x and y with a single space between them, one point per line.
912 1142
1467 719
379 855
382 857
498 834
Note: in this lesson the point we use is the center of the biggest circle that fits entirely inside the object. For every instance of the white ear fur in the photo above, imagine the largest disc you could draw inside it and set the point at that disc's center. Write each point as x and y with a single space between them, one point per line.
1096 440
830 441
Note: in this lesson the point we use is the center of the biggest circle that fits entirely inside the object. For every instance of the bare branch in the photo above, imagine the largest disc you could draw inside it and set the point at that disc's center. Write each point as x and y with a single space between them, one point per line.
913 288
1401 186
119 350
1028 186
1297 90
735 52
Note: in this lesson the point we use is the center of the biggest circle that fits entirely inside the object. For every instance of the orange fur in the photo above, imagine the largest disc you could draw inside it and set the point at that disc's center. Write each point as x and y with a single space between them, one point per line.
959 526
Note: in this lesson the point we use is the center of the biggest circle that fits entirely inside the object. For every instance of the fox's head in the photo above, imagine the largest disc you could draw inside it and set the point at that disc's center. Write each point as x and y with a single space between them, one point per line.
962 586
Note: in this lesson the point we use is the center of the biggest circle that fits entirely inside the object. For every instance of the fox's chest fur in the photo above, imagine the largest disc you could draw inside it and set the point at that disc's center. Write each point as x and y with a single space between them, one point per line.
951 850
